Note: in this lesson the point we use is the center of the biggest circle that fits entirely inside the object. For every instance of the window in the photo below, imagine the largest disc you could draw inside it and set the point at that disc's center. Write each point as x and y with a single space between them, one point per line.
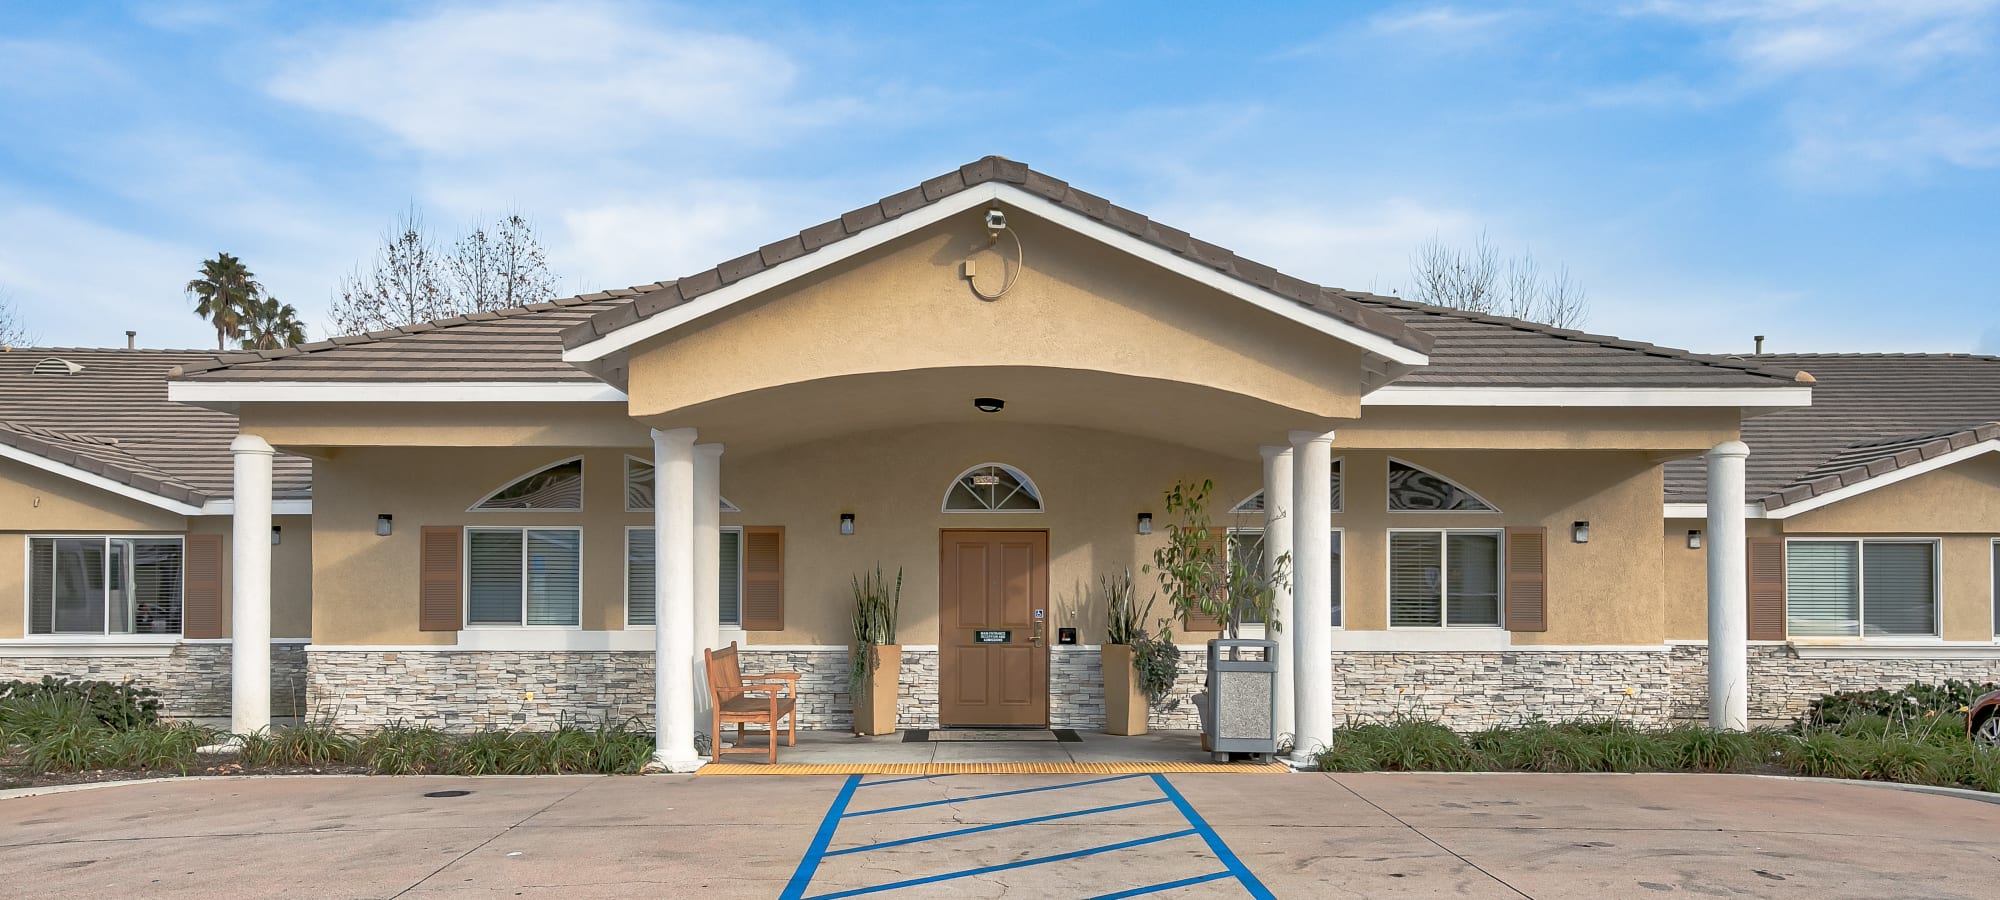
1255 502
1861 588
639 487
1247 544
641 586
992 487
104 585
1412 489
1444 579
523 576
558 487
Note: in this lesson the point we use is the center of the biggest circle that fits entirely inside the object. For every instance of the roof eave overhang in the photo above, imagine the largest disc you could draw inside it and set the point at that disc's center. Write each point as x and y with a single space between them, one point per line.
1737 397
592 353
100 482
1901 473
226 396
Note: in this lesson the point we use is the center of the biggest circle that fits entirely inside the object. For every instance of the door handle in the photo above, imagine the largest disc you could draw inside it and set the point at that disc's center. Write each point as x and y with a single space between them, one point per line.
1038 632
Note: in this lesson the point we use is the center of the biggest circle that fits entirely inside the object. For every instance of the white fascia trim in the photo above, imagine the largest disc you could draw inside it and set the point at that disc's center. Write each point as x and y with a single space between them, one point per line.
955 204
1700 510
205 393
278 508
8 451
274 641
72 645
1881 481
1412 395
1917 650
1464 640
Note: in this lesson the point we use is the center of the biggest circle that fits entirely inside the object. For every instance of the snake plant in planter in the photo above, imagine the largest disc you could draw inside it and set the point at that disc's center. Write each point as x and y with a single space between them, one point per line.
1139 668
875 659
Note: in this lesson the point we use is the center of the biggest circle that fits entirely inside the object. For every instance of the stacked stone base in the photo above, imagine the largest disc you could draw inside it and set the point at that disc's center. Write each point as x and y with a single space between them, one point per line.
192 679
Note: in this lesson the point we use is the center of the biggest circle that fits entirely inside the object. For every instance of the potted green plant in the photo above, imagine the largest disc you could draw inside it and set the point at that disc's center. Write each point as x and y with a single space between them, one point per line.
875 659
1125 629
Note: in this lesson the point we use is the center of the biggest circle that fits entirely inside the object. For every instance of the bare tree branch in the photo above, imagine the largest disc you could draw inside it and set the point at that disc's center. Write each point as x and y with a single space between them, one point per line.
13 329
1475 280
412 279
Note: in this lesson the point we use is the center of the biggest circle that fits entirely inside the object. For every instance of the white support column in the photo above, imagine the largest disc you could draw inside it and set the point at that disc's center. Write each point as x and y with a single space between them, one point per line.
250 587
707 572
673 630
1312 588
1728 590
1277 545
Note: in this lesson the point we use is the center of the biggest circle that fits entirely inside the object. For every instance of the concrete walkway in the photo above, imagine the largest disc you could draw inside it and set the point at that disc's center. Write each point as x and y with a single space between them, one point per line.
1306 835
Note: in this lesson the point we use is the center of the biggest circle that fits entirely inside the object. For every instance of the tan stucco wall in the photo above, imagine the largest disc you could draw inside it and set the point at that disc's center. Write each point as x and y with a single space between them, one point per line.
1075 306
311 428
36 502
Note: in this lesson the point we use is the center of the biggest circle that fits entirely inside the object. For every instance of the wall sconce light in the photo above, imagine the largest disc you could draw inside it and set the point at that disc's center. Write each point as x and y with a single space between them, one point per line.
385 524
846 523
1694 539
277 535
1145 523
988 404
1579 532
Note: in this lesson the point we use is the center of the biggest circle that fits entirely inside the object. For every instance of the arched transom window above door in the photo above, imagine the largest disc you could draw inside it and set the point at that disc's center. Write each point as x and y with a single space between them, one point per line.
1416 489
992 487
556 487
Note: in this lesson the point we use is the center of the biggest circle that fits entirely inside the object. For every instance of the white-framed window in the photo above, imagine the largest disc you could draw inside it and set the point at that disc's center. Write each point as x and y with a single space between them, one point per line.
557 487
992 488
1861 587
523 576
1254 504
639 486
1247 544
1413 488
641 583
104 584
1445 577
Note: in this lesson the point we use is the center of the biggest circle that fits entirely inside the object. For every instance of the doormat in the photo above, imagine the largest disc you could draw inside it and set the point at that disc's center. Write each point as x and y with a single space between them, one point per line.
953 735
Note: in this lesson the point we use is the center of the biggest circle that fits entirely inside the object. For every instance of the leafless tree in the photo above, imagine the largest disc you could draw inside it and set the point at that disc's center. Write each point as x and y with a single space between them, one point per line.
1477 279
414 279
501 268
13 331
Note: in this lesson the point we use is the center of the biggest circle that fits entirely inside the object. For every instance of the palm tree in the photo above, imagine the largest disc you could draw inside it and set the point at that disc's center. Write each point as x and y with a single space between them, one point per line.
224 295
272 325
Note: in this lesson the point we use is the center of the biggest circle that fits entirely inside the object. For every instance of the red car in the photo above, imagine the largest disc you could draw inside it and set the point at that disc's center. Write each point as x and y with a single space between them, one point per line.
1983 719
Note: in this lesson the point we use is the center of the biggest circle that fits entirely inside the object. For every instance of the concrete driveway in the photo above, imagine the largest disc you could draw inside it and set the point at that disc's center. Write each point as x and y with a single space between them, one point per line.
993 835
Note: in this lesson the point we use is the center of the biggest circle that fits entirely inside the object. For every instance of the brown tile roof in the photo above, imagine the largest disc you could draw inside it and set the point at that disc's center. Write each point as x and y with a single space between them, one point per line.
1869 411
113 418
525 344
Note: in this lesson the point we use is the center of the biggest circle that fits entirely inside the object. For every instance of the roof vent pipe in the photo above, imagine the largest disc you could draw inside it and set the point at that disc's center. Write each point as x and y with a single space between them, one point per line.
1760 345
131 340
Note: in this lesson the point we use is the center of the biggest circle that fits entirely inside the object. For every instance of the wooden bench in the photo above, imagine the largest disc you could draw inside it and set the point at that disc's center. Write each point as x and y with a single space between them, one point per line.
741 700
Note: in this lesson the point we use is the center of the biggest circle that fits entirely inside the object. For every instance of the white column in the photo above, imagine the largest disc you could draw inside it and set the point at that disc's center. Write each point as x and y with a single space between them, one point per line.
250 587
1278 544
673 602
1728 590
1312 586
707 572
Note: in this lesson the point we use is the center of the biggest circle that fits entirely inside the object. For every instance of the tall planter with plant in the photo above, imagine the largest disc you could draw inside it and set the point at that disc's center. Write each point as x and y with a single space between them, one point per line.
1139 668
875 659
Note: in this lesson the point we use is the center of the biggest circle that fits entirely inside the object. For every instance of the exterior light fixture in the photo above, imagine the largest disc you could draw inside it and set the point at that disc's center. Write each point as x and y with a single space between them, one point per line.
1694 539
1579 532
1145 523
988 404
277 535
846 523
385 524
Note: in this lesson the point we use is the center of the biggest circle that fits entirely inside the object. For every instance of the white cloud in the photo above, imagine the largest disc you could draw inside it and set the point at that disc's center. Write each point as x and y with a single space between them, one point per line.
54 265
1440 21
466 81
1340 244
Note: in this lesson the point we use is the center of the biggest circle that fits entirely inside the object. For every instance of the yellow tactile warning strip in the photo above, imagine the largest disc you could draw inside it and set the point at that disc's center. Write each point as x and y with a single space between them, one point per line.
1001 768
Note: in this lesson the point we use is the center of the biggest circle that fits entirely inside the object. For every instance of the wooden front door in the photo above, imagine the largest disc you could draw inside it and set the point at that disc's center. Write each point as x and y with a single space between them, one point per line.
993 600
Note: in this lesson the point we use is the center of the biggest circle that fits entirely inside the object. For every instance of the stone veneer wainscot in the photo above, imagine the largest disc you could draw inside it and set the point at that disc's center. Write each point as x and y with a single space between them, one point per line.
192 677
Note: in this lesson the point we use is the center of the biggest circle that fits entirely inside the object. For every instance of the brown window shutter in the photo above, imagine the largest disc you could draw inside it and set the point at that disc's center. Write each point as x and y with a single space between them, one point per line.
1195 620
440 596
764 578
201 586
1527 579
1767 588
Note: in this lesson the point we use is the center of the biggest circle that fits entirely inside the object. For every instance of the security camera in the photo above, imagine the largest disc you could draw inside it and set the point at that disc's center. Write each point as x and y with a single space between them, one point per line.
996 220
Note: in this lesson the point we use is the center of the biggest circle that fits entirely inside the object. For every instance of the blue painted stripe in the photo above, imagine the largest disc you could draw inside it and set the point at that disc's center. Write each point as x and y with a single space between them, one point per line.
1167 886
979 828
1215 844
809 864
900 780
1053 787
1022 864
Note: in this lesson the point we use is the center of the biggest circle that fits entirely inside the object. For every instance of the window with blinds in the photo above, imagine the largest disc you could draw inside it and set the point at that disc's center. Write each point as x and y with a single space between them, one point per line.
524 576
641 582
104 585
1444 578
1861 588
1248 544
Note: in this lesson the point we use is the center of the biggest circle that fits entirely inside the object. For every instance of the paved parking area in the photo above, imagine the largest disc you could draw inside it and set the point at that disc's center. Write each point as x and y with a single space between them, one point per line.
992 836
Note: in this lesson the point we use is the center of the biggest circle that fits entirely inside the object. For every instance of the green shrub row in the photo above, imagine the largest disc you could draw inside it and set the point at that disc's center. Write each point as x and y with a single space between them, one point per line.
1945 702
117 705
1864 747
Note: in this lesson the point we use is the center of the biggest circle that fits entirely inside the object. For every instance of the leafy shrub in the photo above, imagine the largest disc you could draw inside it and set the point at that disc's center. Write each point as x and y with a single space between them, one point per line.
307 744
1946 701
1696 749
399 749
117 705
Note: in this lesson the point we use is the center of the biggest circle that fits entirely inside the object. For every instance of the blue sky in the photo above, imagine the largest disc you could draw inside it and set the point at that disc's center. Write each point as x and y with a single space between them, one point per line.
1823 172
